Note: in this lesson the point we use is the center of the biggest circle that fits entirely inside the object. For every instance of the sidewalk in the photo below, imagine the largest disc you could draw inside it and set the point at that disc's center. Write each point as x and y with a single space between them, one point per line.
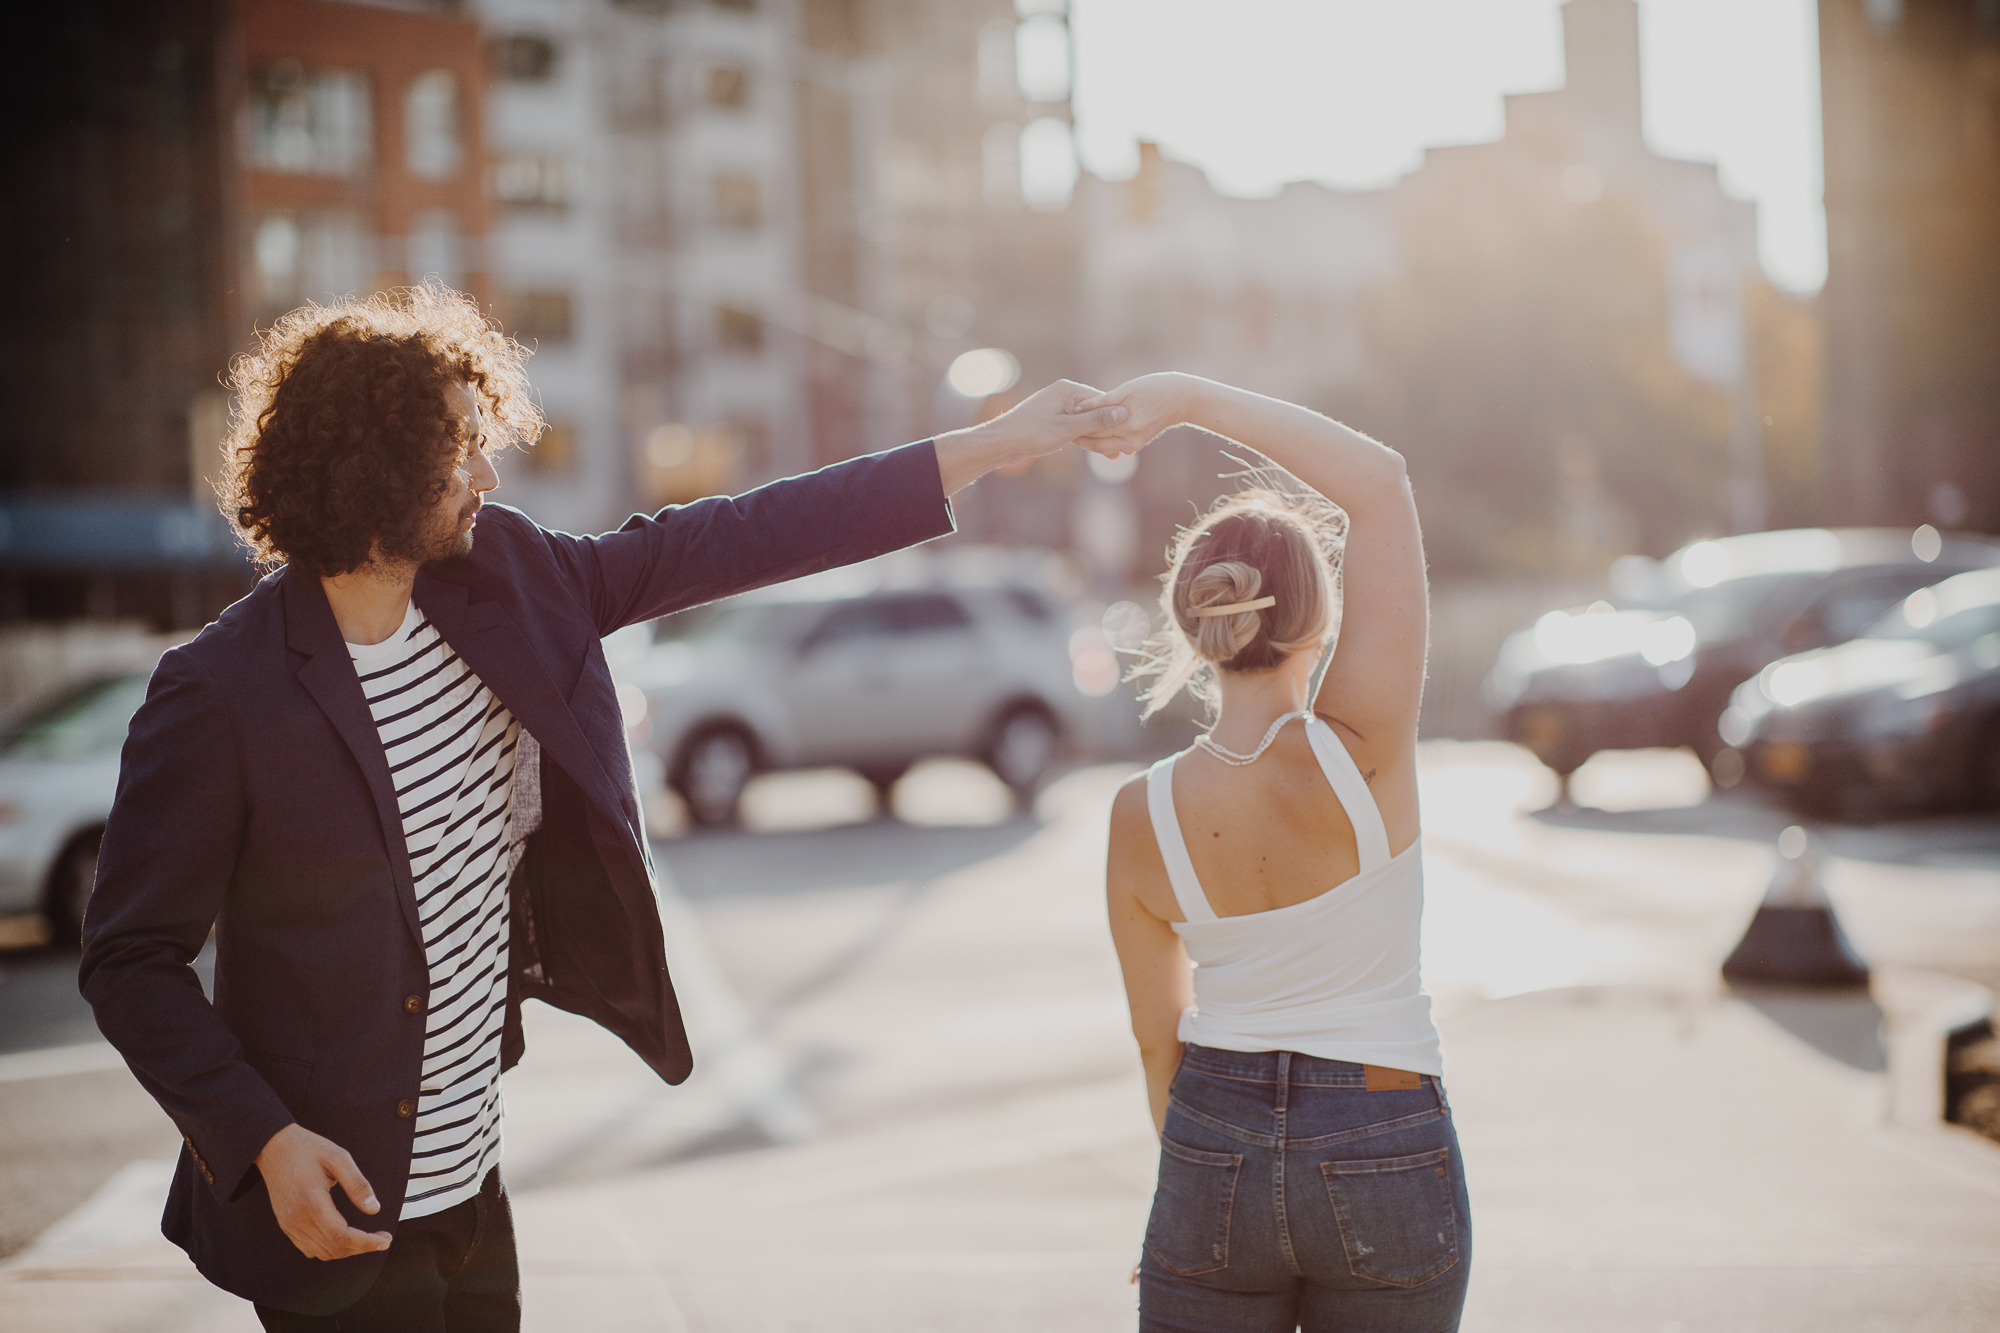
1640 1158
935 1122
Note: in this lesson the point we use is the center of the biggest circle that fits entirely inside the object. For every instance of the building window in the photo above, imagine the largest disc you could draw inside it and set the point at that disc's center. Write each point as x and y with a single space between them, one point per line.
430 126
542 316
736 201
642 199
728 86
313 122
738 330
639 94
523 58
530 182
555 452
314 257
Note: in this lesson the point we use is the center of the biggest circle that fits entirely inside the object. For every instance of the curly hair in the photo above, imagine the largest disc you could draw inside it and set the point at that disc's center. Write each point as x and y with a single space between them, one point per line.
1263 540
341 436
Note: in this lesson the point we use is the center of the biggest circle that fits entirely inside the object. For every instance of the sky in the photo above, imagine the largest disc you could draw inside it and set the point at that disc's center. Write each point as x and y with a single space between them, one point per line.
1349 92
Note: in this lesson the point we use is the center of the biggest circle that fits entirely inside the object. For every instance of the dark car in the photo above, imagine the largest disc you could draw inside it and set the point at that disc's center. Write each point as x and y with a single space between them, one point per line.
1905 716
1658 670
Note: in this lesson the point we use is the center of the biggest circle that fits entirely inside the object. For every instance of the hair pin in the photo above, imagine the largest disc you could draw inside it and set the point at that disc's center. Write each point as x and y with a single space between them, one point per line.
1234 607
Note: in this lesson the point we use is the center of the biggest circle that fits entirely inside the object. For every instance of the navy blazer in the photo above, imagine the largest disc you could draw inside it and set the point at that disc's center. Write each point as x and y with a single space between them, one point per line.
253 797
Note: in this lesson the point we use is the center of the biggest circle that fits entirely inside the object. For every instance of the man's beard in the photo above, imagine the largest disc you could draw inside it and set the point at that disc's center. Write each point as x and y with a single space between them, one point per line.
438 539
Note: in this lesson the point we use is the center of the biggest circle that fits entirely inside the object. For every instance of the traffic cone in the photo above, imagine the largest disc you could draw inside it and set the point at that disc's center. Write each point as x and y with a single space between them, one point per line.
1795 938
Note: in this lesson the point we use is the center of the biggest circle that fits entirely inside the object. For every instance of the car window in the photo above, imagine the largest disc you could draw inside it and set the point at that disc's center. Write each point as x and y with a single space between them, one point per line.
923 613
896 613
84 723
1961 629
847 621
1851 607
716 622
1030 604
1731 610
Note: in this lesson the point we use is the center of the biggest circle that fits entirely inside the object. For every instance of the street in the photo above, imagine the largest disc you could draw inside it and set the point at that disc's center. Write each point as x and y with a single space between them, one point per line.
917 1106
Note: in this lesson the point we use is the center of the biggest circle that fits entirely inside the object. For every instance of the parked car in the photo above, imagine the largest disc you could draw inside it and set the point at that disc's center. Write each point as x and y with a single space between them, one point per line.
1905 716
1658 671
58 773
870 668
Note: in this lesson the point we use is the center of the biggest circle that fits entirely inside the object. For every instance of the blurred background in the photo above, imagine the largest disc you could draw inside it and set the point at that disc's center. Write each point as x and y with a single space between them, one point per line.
1685 314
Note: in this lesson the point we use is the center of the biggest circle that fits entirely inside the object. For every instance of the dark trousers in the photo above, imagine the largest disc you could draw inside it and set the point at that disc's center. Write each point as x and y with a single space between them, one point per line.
451 1272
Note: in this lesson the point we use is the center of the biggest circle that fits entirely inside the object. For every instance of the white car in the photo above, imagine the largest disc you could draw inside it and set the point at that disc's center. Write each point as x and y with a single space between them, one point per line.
870 668
58 773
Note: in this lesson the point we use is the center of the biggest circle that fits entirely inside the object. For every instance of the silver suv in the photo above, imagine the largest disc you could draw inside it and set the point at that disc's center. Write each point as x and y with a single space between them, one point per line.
870 668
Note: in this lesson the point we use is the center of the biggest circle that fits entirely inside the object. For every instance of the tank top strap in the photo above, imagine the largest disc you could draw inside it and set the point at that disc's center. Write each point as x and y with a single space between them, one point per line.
1173 846
1371 836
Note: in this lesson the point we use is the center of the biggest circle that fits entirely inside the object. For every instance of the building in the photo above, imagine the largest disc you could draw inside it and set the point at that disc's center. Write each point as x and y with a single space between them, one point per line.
1264 293
1554 326
1911 123
747 239
188 172
743 237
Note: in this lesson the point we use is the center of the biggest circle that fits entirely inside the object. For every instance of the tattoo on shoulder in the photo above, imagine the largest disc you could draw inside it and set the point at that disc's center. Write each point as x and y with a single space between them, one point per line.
1369 777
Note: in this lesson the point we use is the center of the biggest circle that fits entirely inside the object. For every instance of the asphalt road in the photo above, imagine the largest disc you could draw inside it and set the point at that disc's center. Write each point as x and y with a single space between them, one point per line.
825 973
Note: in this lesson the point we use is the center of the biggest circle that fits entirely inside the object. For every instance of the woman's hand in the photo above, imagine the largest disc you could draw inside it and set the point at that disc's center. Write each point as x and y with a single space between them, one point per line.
1153 404
1047 420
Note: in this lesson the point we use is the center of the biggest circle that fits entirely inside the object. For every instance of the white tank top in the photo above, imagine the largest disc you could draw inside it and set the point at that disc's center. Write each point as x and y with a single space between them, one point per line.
1334 976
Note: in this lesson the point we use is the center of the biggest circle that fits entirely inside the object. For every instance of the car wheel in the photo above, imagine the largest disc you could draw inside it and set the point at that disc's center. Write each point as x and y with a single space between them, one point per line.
712 771
70 883
1023 749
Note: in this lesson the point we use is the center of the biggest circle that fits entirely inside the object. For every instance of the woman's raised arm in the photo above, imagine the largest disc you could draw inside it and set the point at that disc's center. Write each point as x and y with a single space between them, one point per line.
1375 683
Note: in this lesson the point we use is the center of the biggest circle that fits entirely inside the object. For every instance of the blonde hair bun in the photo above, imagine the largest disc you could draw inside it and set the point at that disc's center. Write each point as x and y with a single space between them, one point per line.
1261 543
1221 638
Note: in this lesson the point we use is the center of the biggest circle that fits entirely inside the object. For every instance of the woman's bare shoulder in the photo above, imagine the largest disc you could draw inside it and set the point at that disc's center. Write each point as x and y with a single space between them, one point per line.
1129 812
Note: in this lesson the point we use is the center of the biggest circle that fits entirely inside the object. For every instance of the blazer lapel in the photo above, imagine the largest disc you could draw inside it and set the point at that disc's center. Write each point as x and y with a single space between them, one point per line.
486 637
328 675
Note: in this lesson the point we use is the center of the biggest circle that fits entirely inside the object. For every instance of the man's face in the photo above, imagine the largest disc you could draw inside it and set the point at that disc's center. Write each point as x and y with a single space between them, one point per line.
447 534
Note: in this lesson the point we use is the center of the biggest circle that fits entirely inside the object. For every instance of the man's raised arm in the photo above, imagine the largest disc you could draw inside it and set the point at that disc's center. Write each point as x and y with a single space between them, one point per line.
686 555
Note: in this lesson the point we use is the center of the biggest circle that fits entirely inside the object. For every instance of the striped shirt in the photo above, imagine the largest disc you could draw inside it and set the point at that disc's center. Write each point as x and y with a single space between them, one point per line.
452 749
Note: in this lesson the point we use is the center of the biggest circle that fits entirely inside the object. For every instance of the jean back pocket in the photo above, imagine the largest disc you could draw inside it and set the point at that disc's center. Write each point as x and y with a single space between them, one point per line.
1397 1215
1188 1233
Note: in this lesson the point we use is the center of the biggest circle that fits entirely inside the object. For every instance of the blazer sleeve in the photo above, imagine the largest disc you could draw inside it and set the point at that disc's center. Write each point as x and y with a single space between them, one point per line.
169 852
689 554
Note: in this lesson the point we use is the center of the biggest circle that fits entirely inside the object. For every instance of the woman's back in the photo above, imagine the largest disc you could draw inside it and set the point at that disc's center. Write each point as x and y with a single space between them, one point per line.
1261 836
1311 950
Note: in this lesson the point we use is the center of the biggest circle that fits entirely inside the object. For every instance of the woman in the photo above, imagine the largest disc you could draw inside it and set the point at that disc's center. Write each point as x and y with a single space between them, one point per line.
1309 1172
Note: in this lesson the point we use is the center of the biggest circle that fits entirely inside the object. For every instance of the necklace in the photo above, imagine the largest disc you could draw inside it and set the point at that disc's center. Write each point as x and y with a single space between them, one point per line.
1237 760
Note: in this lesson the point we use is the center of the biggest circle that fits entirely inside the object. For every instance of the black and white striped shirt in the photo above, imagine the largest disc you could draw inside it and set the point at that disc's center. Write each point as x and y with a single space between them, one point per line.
451 748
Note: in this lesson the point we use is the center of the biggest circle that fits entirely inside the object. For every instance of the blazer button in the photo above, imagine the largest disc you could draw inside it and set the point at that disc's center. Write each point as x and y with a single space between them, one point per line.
406 1108
413 1004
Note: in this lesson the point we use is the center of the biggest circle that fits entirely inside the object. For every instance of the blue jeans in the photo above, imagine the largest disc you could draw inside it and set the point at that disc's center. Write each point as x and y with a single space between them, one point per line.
1292 1198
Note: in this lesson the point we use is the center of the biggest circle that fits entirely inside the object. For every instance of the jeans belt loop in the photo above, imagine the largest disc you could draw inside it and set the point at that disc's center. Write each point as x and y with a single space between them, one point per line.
1284 1079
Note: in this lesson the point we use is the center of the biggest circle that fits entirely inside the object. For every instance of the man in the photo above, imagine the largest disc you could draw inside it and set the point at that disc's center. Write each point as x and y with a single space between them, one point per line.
393 780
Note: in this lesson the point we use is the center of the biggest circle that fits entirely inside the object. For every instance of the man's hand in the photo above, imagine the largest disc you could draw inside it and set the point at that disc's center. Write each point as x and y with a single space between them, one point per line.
299 1169
1152 403
1040 424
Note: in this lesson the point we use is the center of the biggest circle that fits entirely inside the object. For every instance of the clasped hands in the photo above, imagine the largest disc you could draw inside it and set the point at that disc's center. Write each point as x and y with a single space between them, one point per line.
1115 423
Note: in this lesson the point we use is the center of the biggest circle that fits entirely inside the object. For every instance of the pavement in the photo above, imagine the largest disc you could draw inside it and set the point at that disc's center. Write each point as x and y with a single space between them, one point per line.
917 1106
